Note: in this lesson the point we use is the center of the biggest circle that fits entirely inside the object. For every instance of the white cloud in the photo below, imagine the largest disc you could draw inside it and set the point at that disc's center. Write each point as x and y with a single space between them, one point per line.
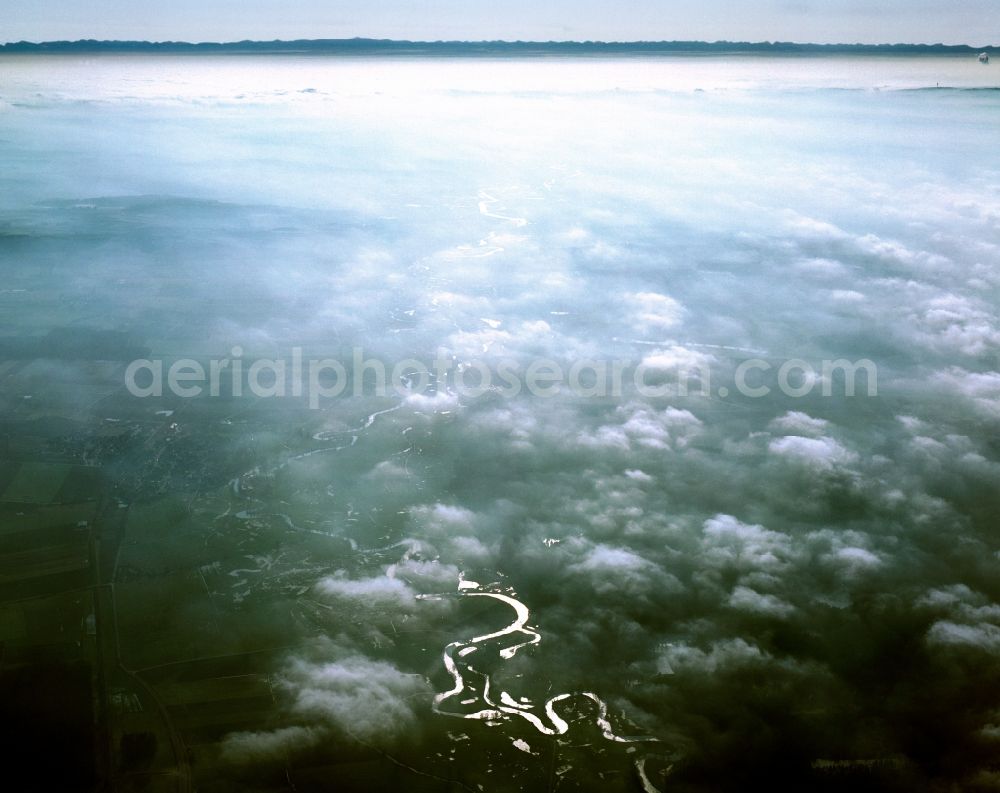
746 599
651 311
613 570
250 747
372 700
818 453
797 423
727 541
984 636
722 656
380 591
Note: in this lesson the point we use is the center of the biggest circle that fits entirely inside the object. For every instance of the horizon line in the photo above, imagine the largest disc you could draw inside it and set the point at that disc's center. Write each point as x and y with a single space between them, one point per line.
573 43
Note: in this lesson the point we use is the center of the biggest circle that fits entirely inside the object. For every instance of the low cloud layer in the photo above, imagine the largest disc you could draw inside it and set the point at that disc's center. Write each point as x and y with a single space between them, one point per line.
787 593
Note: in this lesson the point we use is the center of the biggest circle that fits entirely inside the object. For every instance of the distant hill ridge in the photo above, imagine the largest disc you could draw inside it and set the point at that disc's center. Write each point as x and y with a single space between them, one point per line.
362 46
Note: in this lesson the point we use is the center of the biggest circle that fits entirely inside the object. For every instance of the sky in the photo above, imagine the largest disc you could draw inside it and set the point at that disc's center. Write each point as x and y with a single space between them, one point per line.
974 22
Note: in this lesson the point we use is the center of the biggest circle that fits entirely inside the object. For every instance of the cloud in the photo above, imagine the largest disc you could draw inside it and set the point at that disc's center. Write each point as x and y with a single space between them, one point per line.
795 422
749 547
822 454
984 636
652 312
722 656
619 571
264 747
377 592
746 599
334 693
357 696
